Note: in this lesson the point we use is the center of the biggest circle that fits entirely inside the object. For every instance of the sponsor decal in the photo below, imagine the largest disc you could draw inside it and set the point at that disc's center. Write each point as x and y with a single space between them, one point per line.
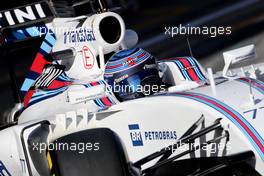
130 62
88 58
135 135
150 66
160 135
20 15
79 35
139 137
48 75
118 80
3 170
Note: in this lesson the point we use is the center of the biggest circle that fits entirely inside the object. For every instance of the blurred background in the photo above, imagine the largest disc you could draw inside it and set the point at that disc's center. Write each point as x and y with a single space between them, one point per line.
149 19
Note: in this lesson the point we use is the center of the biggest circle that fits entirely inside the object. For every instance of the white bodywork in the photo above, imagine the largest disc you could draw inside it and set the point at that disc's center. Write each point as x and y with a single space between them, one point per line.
168 113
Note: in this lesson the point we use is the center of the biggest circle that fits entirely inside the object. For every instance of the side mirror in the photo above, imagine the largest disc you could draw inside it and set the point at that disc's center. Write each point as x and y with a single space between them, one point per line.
238 55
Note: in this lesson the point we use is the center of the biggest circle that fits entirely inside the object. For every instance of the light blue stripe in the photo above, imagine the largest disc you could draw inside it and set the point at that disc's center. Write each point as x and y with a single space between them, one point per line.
65 77
238 115
100 103
111 63
87 85
101 82
33 31
258 81
49 91
195 67
138 61
37 94
145 57
124 67
197 71
46 47
255 87
27 84
180 68
232 119
41 99
47 94
183 71
50 39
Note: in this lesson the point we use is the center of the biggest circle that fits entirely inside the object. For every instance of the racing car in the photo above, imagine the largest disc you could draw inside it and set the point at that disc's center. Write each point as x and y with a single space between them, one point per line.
71 123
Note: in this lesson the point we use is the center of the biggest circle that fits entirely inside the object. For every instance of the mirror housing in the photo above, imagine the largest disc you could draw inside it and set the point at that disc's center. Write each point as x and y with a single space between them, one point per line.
238 55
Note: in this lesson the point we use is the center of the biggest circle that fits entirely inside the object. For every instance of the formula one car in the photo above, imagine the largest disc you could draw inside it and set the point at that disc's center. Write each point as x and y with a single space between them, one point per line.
70 123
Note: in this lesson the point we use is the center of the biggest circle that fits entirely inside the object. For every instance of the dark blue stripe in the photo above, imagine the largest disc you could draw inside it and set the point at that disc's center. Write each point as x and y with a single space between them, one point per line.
44 53
26 33
48 43
32 75
133 127
97 103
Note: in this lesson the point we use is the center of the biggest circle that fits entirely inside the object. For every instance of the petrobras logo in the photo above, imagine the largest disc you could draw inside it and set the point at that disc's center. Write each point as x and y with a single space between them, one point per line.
79 35
135 135
139 137
160 135
3 170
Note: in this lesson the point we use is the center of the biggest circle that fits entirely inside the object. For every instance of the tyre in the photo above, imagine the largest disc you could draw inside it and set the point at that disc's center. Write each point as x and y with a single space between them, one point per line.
103 154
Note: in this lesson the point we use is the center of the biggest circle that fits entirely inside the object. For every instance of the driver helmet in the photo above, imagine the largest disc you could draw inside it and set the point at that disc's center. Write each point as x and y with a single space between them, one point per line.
132 73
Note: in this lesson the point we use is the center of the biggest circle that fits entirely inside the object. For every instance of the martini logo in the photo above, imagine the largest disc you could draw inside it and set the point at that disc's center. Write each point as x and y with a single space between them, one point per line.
3 170
135 135
88 58
140 137
34 12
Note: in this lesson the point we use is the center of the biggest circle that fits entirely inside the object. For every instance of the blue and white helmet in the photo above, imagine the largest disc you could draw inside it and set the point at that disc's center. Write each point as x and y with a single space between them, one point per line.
132 73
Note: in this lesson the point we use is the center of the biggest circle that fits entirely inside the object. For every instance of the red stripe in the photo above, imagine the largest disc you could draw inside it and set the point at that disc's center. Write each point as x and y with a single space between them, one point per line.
28 97
94 83
106 101
58 84
255 83
233 115
39 63
141 55
191 72
114 66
